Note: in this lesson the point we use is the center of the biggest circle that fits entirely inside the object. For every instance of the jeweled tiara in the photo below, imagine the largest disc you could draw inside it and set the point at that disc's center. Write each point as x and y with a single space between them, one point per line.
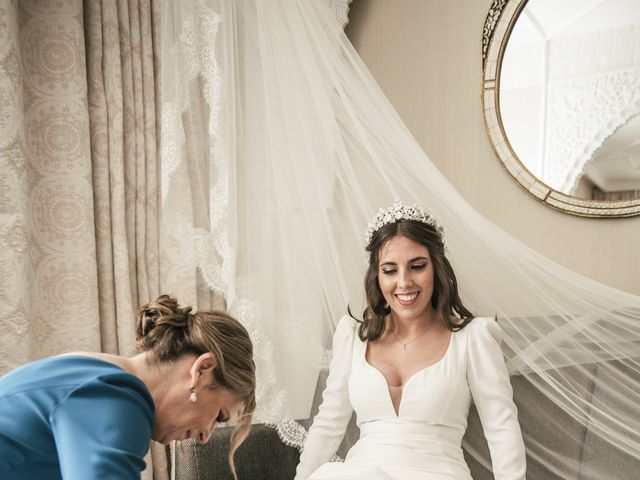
400 211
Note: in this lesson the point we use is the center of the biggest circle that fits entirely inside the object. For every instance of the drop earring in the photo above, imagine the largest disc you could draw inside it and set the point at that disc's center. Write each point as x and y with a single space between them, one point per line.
193 397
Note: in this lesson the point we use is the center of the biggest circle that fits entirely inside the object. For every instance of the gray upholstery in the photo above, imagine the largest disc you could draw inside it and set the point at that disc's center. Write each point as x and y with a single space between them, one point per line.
264 456
598 458
567 440
261 457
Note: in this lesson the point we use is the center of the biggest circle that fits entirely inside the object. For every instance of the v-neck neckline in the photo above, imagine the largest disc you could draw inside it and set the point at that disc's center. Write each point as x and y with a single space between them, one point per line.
408 382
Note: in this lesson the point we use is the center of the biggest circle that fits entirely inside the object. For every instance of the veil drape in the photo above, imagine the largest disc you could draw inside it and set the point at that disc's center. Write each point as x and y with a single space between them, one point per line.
278 147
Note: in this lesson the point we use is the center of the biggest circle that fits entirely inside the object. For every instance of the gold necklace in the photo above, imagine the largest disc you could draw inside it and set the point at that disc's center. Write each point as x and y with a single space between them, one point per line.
404 344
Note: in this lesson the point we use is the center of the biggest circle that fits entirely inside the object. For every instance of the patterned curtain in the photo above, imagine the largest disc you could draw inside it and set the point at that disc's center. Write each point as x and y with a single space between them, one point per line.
48 279
79 241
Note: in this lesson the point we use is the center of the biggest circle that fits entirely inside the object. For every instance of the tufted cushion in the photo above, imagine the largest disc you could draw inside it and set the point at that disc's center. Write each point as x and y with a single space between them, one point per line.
262 456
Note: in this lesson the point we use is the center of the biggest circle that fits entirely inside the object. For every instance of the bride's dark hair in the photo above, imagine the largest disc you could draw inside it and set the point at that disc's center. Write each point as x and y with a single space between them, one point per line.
445 300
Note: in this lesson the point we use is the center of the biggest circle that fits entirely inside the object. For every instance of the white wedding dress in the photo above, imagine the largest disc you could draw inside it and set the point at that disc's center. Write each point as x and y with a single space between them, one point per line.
423 440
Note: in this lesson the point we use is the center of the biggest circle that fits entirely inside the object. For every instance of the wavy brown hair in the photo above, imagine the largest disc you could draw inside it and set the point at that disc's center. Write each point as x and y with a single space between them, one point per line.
445 300
169 331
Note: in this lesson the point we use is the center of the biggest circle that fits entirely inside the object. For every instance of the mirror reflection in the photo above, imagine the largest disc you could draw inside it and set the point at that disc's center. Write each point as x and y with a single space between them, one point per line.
570 95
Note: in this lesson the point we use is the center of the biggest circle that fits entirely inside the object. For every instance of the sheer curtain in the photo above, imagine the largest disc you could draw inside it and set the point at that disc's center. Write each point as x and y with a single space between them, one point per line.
268 111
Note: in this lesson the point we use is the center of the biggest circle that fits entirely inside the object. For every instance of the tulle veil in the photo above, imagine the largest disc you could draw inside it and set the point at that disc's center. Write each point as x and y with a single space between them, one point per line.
278 147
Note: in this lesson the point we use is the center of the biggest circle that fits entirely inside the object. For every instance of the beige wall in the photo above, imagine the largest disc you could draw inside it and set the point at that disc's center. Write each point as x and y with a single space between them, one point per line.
426 56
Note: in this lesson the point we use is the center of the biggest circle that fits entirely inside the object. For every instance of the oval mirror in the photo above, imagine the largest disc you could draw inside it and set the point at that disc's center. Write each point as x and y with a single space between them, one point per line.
561 94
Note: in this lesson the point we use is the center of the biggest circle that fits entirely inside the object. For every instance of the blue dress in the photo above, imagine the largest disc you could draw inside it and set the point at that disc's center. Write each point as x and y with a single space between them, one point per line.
73 418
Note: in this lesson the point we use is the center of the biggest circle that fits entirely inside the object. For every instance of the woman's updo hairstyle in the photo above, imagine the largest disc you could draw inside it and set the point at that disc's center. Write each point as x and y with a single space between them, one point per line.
168 331
163 328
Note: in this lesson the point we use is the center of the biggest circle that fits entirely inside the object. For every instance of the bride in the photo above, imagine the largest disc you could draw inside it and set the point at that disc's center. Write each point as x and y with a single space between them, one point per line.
411 368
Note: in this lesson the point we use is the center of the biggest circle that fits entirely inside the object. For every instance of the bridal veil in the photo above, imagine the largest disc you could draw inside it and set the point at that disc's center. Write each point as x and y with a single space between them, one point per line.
278 147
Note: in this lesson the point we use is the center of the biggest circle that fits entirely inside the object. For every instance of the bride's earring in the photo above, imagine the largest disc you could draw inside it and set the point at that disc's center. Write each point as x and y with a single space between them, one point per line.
193 397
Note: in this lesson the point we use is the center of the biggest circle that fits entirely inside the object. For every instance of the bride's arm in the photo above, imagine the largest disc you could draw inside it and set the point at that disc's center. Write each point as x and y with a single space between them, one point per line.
330 423
492 393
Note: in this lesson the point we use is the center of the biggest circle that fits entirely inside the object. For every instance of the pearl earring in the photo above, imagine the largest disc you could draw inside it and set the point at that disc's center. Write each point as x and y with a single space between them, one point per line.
193 397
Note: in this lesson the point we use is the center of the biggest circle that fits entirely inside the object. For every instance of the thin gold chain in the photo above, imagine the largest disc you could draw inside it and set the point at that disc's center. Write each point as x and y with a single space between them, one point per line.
404 344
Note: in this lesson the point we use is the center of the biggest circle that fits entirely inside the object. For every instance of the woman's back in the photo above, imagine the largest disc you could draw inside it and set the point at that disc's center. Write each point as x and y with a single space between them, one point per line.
73 417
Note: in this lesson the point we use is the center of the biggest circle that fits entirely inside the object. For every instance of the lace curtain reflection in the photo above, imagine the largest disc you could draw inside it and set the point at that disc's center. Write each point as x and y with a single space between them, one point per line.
621 195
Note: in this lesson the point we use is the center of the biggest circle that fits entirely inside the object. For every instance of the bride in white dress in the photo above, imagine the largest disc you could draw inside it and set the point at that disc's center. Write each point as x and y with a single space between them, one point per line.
412 368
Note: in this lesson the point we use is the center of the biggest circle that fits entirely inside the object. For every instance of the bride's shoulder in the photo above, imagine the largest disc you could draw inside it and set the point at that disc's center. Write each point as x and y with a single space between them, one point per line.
482 326
347 323
346 332
347 329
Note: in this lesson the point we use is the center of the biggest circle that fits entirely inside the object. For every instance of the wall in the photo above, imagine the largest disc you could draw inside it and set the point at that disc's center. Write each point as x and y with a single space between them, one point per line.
426 56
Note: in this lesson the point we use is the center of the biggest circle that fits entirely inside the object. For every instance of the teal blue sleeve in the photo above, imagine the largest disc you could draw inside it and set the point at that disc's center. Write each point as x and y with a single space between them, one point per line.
102 430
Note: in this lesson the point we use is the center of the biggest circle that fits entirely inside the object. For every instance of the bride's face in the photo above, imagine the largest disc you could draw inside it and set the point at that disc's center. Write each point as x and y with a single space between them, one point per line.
405 276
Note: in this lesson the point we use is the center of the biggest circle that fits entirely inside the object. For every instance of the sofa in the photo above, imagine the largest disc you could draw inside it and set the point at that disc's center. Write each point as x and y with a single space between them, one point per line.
264 456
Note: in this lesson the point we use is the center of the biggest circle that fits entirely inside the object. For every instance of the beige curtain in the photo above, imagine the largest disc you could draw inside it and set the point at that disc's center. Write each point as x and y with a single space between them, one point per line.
48 271
79 241
122 115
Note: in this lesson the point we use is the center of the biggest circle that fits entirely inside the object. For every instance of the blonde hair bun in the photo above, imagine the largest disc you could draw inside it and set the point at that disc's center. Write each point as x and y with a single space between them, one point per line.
162 312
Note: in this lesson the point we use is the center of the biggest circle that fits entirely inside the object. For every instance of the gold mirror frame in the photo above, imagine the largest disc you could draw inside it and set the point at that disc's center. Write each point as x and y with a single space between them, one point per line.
498 25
